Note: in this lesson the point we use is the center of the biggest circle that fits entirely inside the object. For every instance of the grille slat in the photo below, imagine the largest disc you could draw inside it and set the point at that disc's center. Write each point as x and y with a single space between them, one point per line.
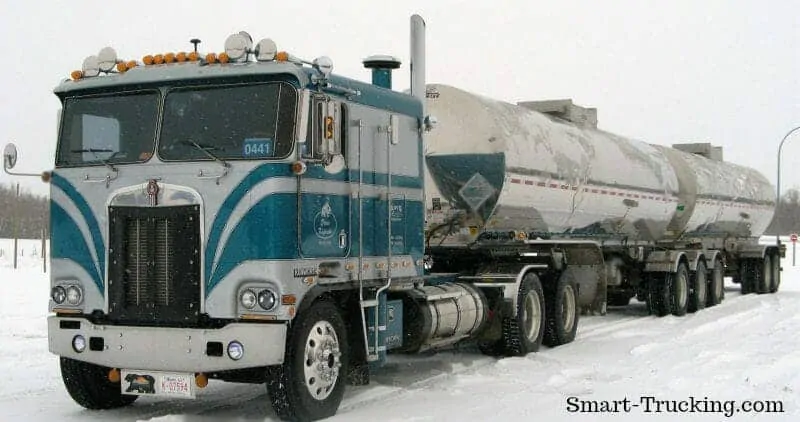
158 272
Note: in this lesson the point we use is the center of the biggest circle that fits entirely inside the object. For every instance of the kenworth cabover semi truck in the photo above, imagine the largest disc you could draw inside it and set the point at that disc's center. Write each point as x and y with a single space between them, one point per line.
251 217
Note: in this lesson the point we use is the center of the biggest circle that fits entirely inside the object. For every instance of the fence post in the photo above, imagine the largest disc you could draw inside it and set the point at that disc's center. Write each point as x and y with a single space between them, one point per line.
44 252
16 227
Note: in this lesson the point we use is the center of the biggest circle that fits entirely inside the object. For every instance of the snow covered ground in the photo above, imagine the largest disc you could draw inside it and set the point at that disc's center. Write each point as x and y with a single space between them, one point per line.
745 349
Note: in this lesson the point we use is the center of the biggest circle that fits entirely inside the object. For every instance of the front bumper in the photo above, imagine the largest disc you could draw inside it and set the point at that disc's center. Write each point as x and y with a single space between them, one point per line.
168 349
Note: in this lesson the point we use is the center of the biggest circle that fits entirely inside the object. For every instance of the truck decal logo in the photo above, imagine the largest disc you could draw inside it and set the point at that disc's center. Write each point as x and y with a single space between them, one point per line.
325 224
152 192
304 271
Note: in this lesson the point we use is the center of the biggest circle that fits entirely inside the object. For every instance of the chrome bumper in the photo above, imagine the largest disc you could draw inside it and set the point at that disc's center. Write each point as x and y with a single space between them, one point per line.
167 349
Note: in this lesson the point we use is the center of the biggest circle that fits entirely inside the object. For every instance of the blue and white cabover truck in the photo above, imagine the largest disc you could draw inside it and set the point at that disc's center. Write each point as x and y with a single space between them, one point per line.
250 217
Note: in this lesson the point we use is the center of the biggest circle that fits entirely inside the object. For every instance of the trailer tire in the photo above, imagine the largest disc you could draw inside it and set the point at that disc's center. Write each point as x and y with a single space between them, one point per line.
775 283
89 386
764 281
317 338
716 284
561 311
698 292
656 294
678 290
523 334
748 275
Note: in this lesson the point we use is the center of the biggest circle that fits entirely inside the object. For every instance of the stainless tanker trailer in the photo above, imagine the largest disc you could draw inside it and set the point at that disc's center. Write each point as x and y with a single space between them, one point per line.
671 222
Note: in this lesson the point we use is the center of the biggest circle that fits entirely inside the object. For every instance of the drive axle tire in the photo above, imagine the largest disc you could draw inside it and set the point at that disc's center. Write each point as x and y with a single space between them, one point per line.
678 291
310 384
523 334
89 386
562 313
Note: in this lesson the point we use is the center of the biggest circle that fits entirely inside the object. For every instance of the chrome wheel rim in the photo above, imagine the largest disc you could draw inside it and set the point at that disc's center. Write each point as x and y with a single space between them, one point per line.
322 360
681 289
568 308
532 316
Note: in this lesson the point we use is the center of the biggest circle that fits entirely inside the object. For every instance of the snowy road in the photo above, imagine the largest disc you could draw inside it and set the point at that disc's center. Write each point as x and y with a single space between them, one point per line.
744 349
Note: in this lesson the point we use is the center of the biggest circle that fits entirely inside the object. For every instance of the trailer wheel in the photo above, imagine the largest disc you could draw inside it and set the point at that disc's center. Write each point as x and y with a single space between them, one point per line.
310 383
89 386
523 334
677 286
764 283
716 284
749 273
561 312
776 273
656 297
698 295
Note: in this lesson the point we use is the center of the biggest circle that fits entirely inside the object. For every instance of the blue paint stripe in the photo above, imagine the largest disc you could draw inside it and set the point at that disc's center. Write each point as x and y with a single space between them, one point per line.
67 242
265 171
88 216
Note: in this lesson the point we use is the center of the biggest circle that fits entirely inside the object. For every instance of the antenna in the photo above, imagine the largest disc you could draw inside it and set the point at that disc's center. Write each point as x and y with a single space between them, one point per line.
195 41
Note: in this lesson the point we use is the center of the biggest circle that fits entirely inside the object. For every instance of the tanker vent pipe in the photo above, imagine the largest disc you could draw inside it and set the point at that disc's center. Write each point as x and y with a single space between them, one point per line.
382 67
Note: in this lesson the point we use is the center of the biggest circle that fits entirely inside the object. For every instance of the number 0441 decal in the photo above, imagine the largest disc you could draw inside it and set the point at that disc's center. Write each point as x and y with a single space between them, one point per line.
258 147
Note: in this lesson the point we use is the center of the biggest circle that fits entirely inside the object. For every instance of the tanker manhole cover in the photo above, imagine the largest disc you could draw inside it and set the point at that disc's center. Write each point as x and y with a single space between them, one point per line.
476 191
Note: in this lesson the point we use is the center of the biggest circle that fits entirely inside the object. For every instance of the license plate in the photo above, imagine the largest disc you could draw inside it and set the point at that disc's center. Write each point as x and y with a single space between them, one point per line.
154 383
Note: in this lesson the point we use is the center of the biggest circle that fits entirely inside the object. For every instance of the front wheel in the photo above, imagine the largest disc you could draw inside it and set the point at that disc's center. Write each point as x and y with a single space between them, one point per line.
310 384
89 386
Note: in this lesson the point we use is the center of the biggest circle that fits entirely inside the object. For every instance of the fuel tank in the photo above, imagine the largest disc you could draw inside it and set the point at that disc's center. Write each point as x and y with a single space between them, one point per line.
493 165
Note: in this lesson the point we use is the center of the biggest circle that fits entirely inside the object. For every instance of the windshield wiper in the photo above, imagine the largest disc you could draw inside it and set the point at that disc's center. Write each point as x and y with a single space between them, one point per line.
205 149
105 161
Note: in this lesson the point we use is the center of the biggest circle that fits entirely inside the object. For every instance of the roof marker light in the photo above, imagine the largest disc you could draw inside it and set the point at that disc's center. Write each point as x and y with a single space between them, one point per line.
147 60
211 58
169 58
158 59
223 57
266 50
106 59
181 57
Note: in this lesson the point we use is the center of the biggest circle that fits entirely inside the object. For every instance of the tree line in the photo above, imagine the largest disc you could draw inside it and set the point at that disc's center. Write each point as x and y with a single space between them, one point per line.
27 215
24 216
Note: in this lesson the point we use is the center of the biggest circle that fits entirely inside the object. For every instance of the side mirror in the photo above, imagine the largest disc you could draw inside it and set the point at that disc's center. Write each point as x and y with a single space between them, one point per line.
9 156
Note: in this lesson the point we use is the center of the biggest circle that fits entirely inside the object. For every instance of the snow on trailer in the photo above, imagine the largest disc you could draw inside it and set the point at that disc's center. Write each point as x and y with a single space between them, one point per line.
299 242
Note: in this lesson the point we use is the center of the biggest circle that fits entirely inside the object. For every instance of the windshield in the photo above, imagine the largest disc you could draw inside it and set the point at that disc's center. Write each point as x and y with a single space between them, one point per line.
230 122
118 128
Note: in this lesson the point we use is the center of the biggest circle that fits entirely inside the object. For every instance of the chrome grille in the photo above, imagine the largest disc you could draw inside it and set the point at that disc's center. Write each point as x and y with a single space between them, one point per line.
154 276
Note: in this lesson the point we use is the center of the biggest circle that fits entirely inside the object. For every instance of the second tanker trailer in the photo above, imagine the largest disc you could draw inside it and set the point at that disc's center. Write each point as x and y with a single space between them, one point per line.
670 222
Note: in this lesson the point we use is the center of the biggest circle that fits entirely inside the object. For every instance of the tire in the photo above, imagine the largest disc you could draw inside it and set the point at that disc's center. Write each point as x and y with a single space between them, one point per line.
698 288
748 276
677 291
656 298
89 386
523 334
716 284
764 281
775 284
561 313
297 389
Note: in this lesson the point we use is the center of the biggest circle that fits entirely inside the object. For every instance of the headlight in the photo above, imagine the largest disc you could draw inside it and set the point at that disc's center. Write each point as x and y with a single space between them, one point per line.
235 350
79 343
74 295
267 300
58 294
248 299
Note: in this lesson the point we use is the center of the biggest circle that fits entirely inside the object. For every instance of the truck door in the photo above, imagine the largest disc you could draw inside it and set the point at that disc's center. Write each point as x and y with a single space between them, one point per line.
324 191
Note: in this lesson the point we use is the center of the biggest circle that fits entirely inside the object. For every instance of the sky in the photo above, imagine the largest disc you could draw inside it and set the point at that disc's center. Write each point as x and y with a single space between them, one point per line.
720 71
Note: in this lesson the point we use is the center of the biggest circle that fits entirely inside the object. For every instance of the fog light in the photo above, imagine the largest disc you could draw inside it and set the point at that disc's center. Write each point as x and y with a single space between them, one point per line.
79 343
267 300
248 299
74 295
235 350
58 294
